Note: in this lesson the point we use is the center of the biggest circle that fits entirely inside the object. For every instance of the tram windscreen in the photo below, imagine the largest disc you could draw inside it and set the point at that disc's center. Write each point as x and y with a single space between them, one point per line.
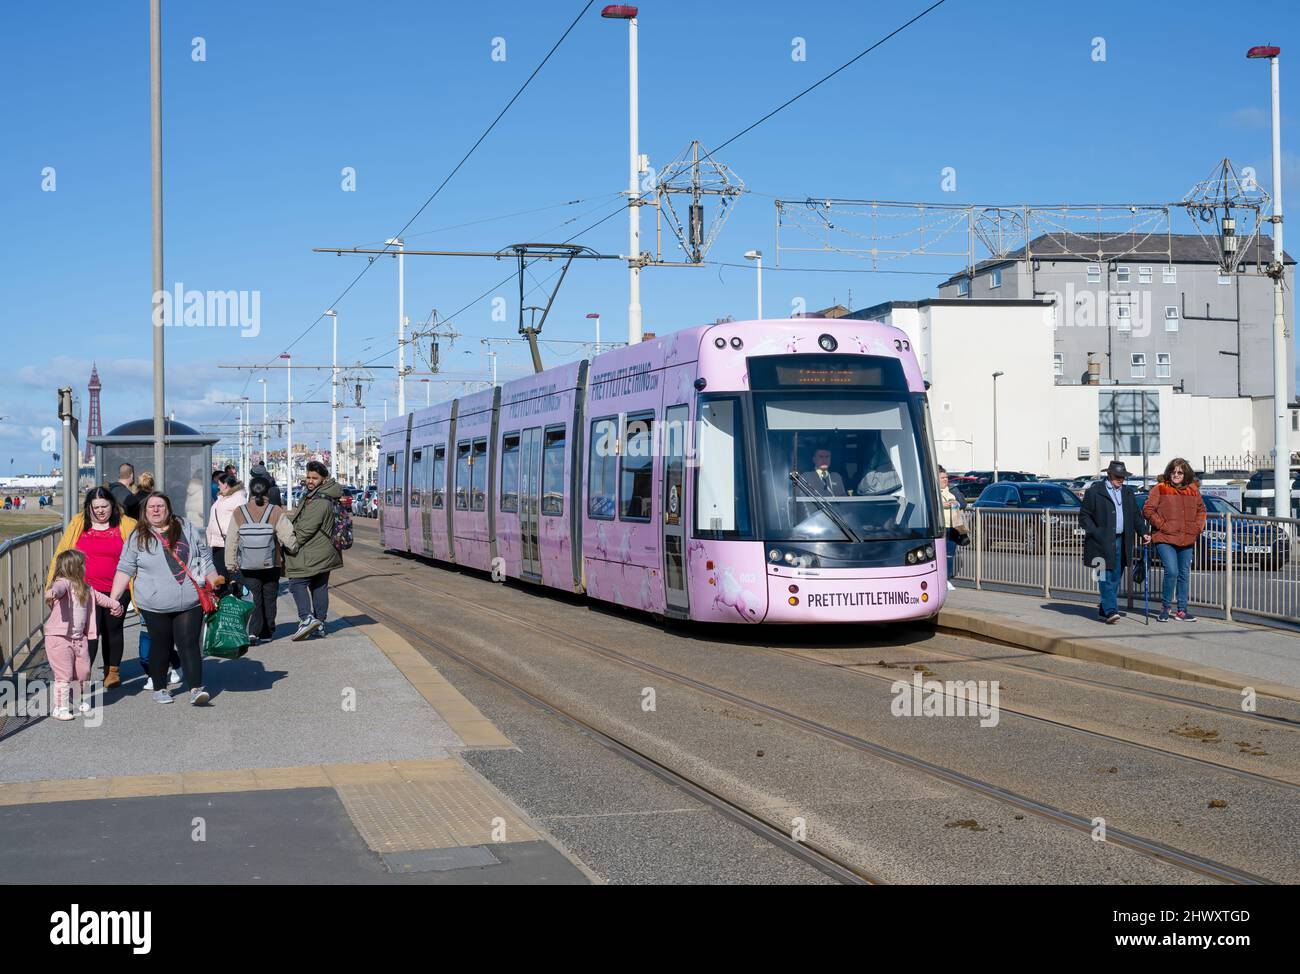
843 466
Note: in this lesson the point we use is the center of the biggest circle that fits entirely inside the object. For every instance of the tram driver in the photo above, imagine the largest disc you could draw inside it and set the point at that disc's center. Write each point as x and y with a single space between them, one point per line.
822 479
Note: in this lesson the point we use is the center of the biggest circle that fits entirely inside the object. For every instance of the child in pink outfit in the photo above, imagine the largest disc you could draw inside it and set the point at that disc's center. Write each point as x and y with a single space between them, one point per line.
70 627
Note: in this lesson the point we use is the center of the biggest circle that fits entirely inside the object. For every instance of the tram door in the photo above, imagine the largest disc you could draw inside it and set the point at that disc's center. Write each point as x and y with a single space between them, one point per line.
673 507
530 482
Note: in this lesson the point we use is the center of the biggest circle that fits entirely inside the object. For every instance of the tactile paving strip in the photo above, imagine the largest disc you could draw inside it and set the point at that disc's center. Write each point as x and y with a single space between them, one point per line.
442 814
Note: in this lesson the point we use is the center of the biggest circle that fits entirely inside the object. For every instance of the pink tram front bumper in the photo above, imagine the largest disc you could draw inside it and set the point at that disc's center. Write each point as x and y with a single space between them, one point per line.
854 594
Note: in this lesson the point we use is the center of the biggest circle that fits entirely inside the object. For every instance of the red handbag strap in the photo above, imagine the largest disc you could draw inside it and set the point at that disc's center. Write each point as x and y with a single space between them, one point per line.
184 566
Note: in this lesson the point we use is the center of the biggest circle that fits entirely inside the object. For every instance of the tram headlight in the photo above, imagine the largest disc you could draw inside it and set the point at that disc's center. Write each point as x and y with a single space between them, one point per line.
737 343
828 343
929 552
790 558
774 555
719 342
911 557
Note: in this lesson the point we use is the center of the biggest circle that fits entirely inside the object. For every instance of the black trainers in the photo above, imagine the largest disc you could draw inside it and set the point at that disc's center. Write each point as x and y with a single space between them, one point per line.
1113 618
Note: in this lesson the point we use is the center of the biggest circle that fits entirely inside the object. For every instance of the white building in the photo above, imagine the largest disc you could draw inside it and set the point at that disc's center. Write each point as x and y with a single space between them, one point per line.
1046 424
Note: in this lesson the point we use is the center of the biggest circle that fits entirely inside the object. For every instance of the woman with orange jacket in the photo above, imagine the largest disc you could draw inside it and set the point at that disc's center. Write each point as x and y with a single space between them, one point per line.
1176 511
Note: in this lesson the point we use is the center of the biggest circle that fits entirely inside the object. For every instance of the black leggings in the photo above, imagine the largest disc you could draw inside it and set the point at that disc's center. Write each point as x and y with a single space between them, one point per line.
263 586
178 631
109 628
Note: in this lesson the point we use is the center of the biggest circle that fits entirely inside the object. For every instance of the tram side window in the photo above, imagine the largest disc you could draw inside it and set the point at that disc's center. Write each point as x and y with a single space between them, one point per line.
387 477
479 472
510 472
721 490
602 466
462 475
399 472
439 477
417 477
634 486
553 471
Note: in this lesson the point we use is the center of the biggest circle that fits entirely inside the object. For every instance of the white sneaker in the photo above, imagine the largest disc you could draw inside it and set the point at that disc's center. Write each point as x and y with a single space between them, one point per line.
952 587
84 707
148 684
306 628
173 677
61 713
198 697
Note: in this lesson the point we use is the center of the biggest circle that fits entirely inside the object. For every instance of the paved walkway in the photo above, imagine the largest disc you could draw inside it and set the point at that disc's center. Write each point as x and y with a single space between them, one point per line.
329 760
1208 650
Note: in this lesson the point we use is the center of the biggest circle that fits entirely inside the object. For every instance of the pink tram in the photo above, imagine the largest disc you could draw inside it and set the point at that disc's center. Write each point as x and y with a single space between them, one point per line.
777 471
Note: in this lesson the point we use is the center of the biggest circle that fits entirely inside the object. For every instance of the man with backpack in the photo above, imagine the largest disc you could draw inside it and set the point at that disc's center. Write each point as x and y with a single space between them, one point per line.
322 530
260 530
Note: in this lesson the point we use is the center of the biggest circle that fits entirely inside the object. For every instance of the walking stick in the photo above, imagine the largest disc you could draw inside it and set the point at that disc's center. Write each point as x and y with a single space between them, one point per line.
1146 585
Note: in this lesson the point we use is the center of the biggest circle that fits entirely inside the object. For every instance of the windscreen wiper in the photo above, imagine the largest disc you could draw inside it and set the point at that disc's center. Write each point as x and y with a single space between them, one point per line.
827 508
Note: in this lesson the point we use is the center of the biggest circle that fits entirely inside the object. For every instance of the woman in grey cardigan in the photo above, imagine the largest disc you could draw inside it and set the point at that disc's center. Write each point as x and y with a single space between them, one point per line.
166 556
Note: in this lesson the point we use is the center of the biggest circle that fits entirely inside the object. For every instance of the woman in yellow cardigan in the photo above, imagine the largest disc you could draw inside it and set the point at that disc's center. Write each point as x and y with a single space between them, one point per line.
99 533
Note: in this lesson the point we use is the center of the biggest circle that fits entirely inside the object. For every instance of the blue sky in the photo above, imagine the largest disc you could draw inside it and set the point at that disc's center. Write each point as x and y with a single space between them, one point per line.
256 136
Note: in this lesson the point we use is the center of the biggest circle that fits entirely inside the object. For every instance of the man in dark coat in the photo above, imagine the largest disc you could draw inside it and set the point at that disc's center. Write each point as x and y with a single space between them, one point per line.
1112 523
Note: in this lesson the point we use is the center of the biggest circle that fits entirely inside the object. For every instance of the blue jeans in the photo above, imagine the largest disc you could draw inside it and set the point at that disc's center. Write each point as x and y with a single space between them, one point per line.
1177 565
1109 581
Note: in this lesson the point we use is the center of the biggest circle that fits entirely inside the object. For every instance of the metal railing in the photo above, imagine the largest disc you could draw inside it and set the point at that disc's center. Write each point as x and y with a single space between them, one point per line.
1241 564
23 563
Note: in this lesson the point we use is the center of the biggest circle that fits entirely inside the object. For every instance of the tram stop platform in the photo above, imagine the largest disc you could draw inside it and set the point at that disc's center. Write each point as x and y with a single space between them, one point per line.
330 760
1208 650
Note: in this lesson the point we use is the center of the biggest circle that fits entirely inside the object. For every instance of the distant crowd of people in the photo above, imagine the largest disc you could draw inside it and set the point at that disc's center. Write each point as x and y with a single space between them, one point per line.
128 548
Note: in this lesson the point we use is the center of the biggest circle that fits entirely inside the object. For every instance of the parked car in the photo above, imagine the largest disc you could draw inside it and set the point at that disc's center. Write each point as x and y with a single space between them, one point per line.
346 501
1264 542
1058 506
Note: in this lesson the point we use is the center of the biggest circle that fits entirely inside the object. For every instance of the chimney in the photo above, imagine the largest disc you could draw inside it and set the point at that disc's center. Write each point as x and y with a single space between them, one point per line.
1094 370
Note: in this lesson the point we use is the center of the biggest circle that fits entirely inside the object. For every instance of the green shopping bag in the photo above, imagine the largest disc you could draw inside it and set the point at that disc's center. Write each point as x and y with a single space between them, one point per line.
225 634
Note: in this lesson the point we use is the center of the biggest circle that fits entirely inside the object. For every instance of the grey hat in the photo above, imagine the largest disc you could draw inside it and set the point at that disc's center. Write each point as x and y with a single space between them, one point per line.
1117 469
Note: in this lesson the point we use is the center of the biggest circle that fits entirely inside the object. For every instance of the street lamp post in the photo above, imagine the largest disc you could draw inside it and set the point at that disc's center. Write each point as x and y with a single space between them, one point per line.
263 381
428 394
334 396
757 257
596 316
628 13
401 322
995 425
1277 271
288 431
155 142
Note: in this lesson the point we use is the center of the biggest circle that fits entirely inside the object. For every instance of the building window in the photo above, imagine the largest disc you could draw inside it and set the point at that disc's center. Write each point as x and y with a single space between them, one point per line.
963 287
995 278
1164 363
1058 364
1138 369
1295 420
1122 275
1144 275
1094 273
1124 317
1171 318
1225 279
1169 274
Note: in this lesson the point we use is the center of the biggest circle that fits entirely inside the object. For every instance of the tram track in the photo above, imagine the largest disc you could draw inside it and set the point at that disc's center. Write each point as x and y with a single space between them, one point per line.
1057 816
804 850
857 670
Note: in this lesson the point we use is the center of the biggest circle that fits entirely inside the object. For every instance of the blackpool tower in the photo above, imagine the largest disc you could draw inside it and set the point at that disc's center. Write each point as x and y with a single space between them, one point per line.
96 422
